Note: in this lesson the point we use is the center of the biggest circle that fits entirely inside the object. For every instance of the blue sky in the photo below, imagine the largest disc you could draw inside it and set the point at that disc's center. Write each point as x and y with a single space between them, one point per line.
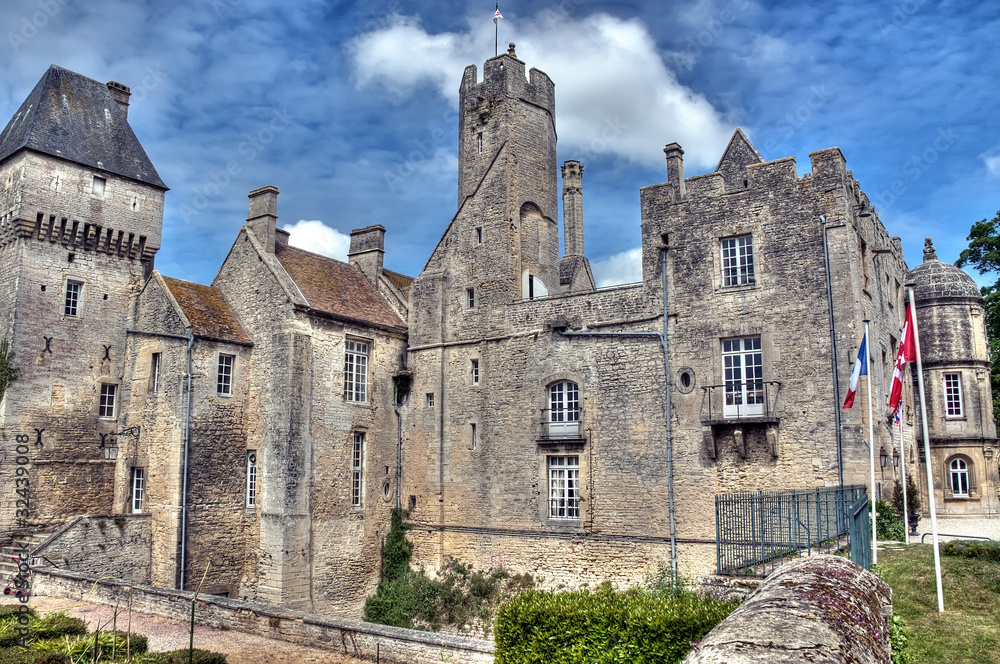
349 108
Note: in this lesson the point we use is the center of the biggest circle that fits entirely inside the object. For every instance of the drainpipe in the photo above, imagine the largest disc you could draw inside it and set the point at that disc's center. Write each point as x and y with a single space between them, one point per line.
833 357
187 440
670 439
399 456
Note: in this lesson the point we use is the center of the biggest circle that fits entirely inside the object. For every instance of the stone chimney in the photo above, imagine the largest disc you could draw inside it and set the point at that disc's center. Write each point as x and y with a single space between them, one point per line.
121 93
572 196
675 167
281 238
367 250
263 216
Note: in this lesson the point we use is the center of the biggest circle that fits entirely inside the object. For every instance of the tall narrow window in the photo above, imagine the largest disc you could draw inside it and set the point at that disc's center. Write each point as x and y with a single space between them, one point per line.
737 261
564 487
71 307
953 394
479 234
743 367
356 371
959 471
109 395
154 373
430 399
251 479
480 139
475 372
224 380
564 410
357 458
475 436
138 489
471 293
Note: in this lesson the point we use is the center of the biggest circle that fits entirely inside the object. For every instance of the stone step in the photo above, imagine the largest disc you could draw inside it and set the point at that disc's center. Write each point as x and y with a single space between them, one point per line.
10 554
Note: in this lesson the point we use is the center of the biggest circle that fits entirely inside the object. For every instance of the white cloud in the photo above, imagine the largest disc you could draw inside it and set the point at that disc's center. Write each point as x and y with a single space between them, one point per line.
614 93
992 165
623 268
313 235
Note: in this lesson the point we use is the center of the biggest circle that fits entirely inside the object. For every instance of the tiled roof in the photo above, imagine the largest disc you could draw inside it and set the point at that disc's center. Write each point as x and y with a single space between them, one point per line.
208 312
337 288
71 116
401 282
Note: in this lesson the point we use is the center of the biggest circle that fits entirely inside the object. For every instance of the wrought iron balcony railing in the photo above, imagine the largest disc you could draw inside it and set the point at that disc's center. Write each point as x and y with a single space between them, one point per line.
561 424
734 401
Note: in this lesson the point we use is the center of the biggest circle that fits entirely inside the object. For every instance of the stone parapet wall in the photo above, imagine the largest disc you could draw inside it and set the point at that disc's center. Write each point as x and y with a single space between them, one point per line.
117 545
351 637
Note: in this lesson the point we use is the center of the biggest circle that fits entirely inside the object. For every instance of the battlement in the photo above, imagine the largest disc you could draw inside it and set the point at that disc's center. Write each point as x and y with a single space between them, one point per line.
503 76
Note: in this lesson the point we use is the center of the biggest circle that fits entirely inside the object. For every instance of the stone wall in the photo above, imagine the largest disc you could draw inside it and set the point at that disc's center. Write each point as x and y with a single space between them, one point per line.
350 637
101 545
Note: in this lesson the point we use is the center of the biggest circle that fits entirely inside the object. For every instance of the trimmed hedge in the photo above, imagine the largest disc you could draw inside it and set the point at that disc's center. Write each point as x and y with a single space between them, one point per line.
11 612
984 549
602 627
181 657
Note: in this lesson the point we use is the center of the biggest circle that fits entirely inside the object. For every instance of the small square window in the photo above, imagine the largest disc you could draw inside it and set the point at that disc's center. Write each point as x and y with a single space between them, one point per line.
430 399
224 379
475 372
109 395
98 188
471 293
71 306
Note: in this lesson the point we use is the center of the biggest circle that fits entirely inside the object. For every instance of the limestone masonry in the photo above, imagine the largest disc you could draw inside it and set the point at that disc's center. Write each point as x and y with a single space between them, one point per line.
264 426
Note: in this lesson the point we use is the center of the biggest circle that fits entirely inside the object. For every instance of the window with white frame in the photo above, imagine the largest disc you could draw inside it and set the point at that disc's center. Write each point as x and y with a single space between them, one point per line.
430 399
953 394
564 409
138 489
356 371
357 460
224 379
737 261
251 478
154 373
71 305
564 487
107 406
743 367
959 474
471 294
475 372
98 187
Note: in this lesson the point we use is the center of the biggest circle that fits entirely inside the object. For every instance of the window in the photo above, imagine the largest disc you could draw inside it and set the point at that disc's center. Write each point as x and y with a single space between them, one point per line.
251 479
744 375
154 373
138 489
471 293
109 394
564 410
224 381
953 394
74 289
430 399
959 477
357 453
479 234
480 138
564 487
356 371
865 268
98 188
737 261
475 436
475 372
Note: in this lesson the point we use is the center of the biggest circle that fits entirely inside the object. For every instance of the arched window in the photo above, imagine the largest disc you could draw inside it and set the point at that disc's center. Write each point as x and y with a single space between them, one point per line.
564 410
959 471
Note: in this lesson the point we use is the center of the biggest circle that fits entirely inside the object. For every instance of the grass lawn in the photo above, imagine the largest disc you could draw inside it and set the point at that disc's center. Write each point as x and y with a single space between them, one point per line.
969 629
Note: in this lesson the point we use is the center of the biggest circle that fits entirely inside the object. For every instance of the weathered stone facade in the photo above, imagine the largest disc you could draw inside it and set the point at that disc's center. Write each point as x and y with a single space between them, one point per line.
266 424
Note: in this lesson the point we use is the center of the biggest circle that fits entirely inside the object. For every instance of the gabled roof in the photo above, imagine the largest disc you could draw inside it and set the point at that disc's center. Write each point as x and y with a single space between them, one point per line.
739 154
71 116
400 282
206 309
333 287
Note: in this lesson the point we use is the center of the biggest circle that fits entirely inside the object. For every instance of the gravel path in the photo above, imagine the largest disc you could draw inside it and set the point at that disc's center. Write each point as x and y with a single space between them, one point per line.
960 525
167 634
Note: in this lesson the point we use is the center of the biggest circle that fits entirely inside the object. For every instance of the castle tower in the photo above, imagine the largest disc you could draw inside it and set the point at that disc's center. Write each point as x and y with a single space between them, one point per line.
82 211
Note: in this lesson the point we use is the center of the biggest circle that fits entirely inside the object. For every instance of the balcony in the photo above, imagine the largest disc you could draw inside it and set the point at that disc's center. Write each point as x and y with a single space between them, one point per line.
737 407
561 426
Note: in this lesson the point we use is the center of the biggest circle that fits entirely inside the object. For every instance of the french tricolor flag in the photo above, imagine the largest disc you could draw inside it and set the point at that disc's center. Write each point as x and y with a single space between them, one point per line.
860 369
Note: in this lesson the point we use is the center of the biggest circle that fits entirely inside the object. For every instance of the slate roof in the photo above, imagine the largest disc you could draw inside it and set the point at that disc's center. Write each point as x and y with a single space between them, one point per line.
337 288
208 312
71 116
401 282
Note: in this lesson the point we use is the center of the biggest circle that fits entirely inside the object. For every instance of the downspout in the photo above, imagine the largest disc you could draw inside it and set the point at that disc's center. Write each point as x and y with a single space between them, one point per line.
833 356
187 440
399 455
670 440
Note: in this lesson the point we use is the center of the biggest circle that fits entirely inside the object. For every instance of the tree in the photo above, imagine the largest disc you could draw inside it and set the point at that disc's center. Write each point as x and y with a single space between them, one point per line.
984 255
8 372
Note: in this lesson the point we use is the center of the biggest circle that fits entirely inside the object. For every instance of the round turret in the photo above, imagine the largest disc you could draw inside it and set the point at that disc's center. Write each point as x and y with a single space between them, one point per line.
933 279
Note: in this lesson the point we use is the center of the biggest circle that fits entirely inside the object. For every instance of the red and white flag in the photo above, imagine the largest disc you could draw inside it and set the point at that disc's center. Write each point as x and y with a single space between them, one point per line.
496 15
860 369
907 353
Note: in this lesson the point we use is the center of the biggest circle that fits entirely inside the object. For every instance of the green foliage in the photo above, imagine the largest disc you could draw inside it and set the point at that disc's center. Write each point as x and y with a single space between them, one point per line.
8 372
11 612
181 657
983 254
397 550
912 497
15 656
898 641
57 624
665 583
888 526
636 626
982 549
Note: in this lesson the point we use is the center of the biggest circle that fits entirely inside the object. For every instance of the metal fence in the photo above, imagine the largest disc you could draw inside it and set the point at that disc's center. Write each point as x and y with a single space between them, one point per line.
757 531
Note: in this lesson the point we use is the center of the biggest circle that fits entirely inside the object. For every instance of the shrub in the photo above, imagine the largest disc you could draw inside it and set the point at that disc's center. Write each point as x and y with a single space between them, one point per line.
57 624
11 612
601 627
912 497
888 526
181 657
898 641
15 656
985 549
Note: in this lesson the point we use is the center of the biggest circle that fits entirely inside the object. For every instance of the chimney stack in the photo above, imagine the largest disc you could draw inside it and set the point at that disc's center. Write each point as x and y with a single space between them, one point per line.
120 93
675 167
367 251
572 173
263 216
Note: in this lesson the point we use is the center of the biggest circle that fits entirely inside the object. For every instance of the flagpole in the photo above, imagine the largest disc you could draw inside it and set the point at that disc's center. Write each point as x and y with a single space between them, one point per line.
927 451
871 447
496 33
902 461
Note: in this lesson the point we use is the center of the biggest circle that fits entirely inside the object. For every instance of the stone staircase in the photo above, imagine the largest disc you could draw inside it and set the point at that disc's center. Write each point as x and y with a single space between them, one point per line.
10 554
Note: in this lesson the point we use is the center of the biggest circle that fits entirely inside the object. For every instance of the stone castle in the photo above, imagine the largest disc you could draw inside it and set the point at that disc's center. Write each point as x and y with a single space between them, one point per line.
263 427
